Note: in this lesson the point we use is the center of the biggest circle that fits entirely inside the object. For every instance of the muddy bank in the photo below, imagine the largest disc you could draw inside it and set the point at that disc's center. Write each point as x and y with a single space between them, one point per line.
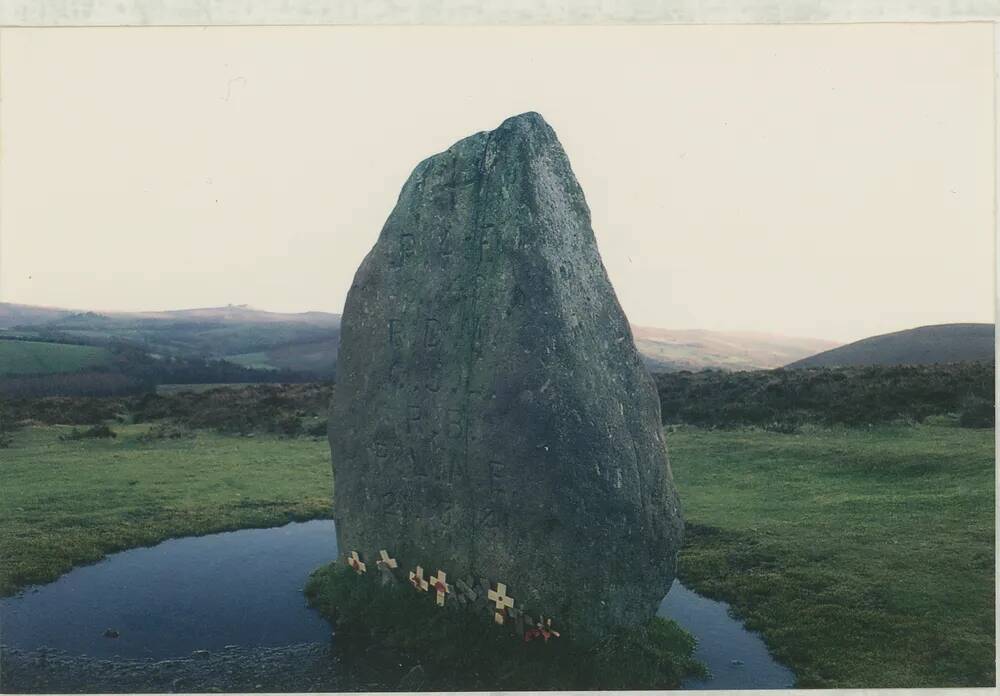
305 667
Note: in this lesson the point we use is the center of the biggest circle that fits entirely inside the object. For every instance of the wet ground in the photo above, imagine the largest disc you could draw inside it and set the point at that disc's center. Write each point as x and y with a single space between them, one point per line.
736 657
226 612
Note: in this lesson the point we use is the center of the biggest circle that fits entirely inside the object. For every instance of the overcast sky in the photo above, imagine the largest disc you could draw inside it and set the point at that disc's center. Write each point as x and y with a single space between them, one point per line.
825 181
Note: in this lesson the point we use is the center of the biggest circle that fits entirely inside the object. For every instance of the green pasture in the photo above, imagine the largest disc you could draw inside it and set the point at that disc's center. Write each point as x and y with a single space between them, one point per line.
66 503
865 557
37 357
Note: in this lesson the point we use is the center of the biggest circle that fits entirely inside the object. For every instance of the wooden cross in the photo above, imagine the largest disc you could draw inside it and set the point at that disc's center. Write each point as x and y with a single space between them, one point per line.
355 562
439 584
417 579
502 601
384 560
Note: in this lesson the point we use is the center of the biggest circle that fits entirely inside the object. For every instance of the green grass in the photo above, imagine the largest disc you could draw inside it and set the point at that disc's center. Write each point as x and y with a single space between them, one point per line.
318 357
865 557
68 503
37 357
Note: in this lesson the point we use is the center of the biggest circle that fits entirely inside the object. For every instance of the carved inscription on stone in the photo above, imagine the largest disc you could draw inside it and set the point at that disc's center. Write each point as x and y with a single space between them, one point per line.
491 415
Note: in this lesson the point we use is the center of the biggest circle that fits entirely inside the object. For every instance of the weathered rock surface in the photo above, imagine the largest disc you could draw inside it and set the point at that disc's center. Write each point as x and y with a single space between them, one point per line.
492 417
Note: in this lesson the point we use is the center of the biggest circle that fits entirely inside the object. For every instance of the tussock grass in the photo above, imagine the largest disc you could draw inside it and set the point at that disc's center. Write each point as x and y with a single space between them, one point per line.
865 557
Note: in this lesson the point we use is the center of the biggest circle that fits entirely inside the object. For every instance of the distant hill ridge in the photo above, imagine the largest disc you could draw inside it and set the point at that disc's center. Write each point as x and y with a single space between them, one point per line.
671 350
308 340
201 333
29 315
924 345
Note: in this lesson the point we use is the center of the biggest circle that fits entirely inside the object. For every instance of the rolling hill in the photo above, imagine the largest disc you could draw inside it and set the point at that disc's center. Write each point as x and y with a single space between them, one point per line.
671 350
663 350
308 341
925 345
21 315
214 332
26 315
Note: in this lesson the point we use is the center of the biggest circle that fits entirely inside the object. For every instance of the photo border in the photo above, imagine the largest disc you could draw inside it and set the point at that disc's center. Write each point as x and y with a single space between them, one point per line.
139 13
64 13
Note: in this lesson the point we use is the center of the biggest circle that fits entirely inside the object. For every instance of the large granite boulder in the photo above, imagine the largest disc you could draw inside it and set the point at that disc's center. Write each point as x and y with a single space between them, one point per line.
492 417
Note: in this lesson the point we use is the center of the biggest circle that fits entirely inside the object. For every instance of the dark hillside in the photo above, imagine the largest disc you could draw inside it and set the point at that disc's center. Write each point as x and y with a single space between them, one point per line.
926 345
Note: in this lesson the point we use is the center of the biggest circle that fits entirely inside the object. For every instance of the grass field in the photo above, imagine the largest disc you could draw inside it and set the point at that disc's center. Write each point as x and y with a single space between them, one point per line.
165 389
257 360
319 357
865 557
36 357
69 503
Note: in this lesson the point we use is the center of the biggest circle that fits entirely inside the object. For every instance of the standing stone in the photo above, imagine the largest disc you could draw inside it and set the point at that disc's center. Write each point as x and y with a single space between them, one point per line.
491 415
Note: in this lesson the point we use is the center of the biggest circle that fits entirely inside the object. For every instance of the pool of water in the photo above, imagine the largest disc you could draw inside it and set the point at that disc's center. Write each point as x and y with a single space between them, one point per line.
244 588
736 657
197 593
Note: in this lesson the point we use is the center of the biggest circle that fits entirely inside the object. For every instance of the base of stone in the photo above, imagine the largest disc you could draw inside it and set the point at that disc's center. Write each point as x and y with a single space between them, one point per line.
460 647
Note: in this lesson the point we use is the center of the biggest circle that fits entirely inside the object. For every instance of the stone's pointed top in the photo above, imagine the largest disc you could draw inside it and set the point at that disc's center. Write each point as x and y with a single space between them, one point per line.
519 141
530 123
529 119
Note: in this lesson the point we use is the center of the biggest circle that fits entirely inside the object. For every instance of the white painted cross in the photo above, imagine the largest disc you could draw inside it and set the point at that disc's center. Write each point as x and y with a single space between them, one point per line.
355 562
417 579
439 584
501 600
384 560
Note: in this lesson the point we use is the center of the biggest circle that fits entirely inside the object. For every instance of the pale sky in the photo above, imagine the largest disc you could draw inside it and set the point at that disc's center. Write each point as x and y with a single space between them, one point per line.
825 181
